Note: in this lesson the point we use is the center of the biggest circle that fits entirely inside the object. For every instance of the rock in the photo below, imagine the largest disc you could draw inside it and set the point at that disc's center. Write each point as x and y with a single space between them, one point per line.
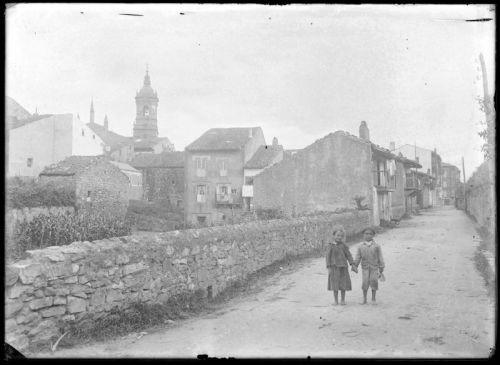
122 259
11 275
41 303
55 256
68 318
19 341
129 269
27 318
80 295
53 311
170 250
39 293
17 290
113 296
10 325
75 268
50 291
57 270
44 331
83 279
71 280
40 282
62 291
28 272
98 298
76 305
60 300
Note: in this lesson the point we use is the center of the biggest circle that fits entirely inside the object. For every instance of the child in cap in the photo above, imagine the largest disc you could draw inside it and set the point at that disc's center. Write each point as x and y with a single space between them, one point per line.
369 254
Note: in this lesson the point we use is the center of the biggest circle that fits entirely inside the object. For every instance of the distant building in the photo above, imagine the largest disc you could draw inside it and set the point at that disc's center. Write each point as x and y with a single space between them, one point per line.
431 165
41 140
450 183
15 113
162 177
99 185
214 173
145 137
135 180
265 156
325 176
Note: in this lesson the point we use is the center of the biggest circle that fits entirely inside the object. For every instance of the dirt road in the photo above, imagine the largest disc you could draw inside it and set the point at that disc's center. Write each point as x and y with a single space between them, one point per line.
433 304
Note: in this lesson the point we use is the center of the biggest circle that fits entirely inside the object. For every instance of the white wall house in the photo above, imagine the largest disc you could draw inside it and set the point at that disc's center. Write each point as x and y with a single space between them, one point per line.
42 142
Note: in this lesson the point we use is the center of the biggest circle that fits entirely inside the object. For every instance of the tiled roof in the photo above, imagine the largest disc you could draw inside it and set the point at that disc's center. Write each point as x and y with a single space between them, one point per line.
110 138
164 159
124 167
264 157
33 118
444 164
222 139
71 165
148 143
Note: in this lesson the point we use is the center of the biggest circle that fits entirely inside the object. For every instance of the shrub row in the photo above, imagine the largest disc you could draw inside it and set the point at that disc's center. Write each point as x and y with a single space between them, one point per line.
24 194
58 229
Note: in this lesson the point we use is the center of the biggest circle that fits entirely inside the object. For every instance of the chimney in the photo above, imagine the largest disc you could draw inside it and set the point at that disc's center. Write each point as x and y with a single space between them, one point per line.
250 132
392 145
364 132
275 142
106 122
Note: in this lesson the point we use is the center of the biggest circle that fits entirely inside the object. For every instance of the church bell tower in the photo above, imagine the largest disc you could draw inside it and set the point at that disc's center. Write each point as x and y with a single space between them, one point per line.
146 101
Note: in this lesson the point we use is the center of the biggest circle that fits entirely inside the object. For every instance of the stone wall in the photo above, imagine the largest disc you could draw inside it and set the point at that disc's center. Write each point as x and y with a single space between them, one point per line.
84 281
164 183
478 199
324 176
398 195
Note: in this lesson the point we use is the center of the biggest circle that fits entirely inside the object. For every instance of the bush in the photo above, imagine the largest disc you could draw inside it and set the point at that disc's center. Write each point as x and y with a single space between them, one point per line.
271 213
62 229
29 193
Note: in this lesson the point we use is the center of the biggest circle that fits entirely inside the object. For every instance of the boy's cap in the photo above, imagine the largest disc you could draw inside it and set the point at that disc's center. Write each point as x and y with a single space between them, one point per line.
368 229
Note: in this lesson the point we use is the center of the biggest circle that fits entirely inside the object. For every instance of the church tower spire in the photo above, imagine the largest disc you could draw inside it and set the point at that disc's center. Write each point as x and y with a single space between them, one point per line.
92 111
146 102
106 122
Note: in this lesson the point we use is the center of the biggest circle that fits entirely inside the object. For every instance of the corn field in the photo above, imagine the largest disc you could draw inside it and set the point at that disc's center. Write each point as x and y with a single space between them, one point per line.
62 229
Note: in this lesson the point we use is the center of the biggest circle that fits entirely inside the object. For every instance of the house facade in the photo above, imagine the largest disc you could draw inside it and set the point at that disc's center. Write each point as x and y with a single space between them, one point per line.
63 135
265 157
162 177
214 173
99 185
430 161
134 180
324 176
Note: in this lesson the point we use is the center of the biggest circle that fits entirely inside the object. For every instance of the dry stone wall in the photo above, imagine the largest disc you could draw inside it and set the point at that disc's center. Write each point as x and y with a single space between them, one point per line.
84 281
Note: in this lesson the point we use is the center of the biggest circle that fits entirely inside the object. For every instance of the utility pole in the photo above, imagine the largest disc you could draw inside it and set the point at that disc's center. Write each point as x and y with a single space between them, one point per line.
463 171
489 111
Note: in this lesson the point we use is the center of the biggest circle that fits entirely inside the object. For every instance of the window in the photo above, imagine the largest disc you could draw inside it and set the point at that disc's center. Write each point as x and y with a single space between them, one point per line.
223 168
234 191
201 166
201 219
145 111
201 193
223 190
248 180
29 162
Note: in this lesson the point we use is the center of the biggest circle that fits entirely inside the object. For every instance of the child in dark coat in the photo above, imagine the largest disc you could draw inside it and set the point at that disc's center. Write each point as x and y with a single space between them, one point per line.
337 257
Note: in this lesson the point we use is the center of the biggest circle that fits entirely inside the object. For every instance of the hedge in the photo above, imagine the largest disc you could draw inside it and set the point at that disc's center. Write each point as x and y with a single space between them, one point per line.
24 194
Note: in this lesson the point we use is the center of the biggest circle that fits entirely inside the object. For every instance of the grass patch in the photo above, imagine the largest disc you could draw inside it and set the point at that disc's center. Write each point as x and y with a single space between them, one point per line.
481 262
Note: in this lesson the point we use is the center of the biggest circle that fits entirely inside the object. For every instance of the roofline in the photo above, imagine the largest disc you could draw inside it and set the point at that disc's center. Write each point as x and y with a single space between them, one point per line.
213 150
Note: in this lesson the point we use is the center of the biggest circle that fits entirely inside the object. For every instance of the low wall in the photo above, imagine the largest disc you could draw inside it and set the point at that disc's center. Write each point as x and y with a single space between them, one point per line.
478 199
84 281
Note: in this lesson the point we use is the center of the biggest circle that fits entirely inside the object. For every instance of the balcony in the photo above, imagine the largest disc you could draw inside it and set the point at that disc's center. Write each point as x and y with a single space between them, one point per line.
383 182
201 172
228 199
411 181
247 191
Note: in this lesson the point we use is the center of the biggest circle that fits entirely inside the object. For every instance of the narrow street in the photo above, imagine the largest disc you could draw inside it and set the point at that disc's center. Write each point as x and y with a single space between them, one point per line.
433 304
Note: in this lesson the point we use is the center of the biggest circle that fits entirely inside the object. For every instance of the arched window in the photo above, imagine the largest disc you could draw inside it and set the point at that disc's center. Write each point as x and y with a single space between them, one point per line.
145 111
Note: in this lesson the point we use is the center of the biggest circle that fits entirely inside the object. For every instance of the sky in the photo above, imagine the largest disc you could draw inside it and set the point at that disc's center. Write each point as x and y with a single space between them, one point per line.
300 72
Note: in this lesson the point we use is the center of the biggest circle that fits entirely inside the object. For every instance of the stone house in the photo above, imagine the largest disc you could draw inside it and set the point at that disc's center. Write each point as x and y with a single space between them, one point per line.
424 195
411 184
99 185
135 180
324 176
214 173
265 157
450 182
162 177
63 135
